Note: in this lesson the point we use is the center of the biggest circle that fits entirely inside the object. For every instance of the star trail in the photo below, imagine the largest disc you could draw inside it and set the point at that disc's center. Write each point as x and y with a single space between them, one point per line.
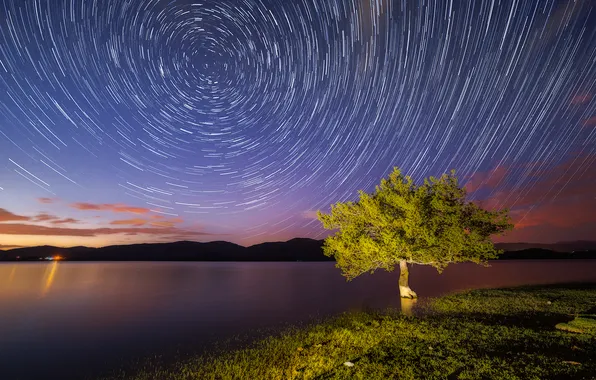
139 120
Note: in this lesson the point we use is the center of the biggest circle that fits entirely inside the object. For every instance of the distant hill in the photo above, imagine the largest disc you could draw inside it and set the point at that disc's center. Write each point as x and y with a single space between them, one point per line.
292 250
564 246
540 253
299 249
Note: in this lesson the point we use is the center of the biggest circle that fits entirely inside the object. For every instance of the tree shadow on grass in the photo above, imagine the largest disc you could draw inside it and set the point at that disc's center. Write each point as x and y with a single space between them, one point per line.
514 343
537 307
572 358
520 357
557 291
534 321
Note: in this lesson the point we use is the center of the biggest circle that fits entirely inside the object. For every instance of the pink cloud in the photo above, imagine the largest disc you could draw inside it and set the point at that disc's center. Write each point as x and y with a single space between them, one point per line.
7 216
581 98
489 179
591 122
43 217
65 221
558 203
309 214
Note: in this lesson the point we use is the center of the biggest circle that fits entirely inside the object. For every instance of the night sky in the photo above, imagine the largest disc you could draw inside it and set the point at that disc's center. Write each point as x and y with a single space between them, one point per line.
148 120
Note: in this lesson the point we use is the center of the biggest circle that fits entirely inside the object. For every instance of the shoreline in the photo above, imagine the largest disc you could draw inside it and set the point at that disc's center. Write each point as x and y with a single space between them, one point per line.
527 332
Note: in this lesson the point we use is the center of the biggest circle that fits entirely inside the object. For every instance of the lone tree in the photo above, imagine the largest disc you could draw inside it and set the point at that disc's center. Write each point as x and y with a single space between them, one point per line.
405 223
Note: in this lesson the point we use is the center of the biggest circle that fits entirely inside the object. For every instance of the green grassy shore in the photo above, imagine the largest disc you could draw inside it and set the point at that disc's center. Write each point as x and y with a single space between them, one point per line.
546 332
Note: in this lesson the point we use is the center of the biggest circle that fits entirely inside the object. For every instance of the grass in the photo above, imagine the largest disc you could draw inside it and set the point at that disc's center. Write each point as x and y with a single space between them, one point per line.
480 334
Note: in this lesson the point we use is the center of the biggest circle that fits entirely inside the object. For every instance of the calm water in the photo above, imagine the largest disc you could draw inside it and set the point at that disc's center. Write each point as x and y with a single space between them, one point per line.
67 320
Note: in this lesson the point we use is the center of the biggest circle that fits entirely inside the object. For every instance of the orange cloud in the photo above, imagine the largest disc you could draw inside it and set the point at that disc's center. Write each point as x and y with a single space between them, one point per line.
31 229
142 222
8 246
109 207
129 222
45 200
167 223
7 216
561 213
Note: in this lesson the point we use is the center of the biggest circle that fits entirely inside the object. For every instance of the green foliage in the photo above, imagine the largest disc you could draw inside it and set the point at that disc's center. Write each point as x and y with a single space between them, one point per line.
430 224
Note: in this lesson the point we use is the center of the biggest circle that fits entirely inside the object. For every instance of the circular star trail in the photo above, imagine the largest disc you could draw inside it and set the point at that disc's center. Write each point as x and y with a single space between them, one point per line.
255 113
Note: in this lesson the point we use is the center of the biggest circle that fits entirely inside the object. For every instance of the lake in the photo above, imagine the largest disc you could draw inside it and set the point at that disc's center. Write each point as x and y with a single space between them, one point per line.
68 320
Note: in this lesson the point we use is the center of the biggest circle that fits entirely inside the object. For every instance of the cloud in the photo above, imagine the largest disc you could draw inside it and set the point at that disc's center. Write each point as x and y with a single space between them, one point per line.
557 203
581 98
119 208
489 179
160 222
591 122
150 228
7 216
45 200
43 217
8 246
167 223
32 229
309 214
65 221
370 15
561 17
548 234
129 222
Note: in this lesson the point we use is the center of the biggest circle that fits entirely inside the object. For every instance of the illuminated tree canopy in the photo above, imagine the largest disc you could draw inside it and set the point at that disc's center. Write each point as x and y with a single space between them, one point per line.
405 223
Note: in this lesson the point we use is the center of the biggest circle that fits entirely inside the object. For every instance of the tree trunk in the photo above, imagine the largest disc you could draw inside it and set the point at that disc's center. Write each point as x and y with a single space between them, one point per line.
404 288
407 306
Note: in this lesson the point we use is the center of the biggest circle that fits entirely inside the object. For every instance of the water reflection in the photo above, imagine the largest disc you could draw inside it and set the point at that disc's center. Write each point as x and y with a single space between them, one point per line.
49 277
407 305
98 314
13 270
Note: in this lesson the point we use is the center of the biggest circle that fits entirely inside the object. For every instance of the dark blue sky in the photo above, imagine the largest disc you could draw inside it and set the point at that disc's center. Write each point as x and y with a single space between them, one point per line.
127 121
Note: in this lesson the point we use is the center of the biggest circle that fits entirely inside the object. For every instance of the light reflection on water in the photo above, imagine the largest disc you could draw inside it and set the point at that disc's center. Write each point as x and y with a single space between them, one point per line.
94 316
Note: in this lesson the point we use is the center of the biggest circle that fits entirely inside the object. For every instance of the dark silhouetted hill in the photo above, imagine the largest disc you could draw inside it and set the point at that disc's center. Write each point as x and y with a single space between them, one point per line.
546 254
293 250
564 246
299 249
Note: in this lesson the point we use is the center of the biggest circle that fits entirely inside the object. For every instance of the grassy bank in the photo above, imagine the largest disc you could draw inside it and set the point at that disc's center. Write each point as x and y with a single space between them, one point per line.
482 334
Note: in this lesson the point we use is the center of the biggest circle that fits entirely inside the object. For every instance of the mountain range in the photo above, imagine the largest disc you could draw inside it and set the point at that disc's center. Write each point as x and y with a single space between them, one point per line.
299 249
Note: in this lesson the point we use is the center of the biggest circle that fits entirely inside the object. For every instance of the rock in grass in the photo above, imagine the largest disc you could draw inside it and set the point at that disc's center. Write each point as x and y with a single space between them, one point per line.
349 364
